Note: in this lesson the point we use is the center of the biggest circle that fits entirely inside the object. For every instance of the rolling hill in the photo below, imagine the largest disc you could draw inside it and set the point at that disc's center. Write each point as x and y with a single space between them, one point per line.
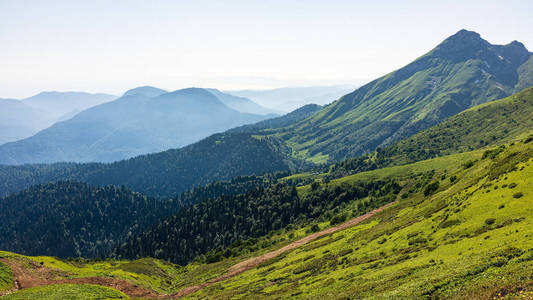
129 126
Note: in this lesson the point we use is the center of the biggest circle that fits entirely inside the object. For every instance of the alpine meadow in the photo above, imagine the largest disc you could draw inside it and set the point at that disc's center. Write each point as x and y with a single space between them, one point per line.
252 150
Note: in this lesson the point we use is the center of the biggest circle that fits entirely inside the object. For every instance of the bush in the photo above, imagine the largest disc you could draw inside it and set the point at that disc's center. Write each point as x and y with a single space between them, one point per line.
512 185
315 228
490 221
469 164
453 179
449 223
337 219
518 195
431 188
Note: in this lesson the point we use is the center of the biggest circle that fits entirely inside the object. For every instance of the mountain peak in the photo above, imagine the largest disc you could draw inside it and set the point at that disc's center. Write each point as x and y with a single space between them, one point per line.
466 34
148 91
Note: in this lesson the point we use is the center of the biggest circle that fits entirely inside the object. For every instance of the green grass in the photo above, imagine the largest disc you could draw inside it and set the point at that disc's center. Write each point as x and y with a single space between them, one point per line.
67 291
437 246
6 277
470 237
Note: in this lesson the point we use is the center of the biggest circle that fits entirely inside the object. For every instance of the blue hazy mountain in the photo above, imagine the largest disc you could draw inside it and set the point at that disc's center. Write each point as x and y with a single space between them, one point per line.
148 91
242 104
23 118
290 98
18 120
59 104
129 126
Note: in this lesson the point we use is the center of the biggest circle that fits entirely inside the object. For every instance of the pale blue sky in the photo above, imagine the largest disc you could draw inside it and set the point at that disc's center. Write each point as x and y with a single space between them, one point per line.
110 46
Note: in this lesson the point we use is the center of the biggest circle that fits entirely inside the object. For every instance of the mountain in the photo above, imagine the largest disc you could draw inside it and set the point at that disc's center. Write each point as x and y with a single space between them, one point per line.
488 124
148 91
498 122
291 98
131 125
461 231
461 72
165 174
282 121
242 104
58 104
18 120
456 231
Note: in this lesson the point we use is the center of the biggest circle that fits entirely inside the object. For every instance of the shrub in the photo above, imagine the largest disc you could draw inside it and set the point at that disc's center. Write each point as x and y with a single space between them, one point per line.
337 219
518 195
431 188
490 221
512 185
469 164
453 179
449 223
315 228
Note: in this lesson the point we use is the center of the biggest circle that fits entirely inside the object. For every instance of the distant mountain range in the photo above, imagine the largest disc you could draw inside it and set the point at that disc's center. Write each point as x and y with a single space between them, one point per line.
144 120
290 98
23 118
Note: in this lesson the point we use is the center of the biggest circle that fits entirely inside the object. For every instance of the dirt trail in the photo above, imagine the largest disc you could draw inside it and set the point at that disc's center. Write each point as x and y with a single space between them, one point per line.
255 261
37 275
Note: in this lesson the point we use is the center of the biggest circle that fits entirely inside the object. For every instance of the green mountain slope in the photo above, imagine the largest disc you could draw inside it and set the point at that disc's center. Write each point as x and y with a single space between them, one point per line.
465 234
484 125
461 72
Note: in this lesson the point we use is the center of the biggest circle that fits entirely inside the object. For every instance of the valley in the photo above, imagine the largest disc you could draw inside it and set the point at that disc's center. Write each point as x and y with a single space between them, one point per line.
416 185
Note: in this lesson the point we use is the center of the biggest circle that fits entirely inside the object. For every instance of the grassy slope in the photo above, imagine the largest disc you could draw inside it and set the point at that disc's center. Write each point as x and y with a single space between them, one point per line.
67 291
376 258
471 239
6 277
491 123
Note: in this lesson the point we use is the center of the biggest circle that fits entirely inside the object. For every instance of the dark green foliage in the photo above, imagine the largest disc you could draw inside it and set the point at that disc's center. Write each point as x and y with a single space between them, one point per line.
453 178
314 228
71 219
518 195
449 223
528 139
512 185
431 188
469 164
219 222
490 221
165 174
337 219
493 152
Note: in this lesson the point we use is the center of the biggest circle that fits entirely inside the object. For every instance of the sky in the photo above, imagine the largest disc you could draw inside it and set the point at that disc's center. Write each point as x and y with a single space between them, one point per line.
112 46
